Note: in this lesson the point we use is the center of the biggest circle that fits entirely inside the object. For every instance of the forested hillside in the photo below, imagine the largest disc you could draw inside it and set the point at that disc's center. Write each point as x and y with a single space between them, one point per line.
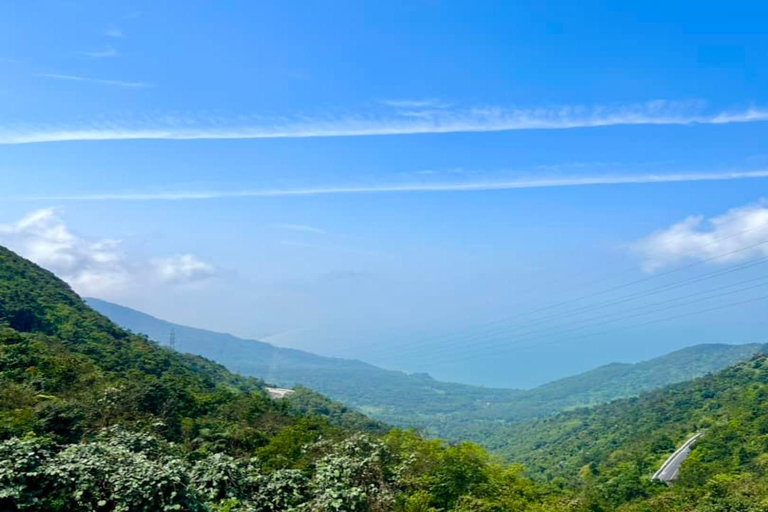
95 418
455 411
608 451
391 396
609 382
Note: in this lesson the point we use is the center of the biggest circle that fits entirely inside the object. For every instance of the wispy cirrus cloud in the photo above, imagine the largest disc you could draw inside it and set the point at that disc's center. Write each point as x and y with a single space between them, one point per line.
737 235
466 186
76 78
102 53
380 123
301 227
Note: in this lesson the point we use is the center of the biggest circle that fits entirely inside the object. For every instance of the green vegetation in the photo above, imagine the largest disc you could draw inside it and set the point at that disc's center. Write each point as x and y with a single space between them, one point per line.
607 452
95 418
453 411
391 396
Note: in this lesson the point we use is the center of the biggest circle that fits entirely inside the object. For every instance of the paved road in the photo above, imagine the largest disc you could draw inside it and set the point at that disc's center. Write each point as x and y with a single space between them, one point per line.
279 392
668 471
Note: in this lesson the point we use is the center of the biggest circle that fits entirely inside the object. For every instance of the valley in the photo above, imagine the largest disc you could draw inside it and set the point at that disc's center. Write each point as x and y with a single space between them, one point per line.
371 256
82 399
441 409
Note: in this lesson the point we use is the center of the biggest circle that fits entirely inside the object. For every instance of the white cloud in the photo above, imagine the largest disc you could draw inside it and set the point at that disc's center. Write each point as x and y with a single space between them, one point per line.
89 266
93 267
737 235
76 78
182 268
377 123
105 52
467 186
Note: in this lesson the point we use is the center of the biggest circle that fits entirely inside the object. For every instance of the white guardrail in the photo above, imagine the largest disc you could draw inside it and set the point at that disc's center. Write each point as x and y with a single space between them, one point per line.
680 452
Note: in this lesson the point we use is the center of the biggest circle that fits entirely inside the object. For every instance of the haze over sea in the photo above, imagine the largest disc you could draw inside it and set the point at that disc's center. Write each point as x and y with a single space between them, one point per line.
476 192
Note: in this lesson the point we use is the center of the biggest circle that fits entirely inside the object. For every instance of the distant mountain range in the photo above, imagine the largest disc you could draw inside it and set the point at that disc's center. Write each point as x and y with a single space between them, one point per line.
457 411
729 407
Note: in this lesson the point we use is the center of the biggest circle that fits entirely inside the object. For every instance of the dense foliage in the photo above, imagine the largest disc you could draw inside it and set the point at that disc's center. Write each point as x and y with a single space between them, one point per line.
453 411
608 452
95 418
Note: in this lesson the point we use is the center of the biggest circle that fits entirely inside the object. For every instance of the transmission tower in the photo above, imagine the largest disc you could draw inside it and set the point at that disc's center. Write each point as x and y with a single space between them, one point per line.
172 339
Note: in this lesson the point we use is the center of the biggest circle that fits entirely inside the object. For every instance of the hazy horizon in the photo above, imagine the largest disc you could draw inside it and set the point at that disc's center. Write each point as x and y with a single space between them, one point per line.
490 195
179 344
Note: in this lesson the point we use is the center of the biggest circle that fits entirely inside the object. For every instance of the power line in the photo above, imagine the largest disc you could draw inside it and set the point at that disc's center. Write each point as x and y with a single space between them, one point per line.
620 328
593 307
567 329
459 338
638 295
666 319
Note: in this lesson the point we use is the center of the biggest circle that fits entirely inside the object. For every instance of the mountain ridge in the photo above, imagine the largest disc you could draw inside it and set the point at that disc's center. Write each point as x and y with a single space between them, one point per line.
453 410
93 417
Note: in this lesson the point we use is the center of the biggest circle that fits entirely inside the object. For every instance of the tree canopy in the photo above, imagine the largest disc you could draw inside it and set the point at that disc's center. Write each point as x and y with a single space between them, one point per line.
95 418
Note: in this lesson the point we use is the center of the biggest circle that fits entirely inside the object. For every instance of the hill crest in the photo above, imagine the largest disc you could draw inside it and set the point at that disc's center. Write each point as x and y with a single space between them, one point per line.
456 411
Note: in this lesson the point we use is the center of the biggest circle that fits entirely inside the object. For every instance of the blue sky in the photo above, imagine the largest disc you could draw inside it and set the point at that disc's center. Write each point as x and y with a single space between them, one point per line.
385 180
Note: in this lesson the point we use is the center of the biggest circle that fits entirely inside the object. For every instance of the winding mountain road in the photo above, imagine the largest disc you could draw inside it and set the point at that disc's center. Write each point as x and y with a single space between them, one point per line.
668 471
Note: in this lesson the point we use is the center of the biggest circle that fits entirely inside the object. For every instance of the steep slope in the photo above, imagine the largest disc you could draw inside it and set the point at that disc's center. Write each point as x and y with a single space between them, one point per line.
70 353
619 380
95 418
610 451
449 410
730 407
392 396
